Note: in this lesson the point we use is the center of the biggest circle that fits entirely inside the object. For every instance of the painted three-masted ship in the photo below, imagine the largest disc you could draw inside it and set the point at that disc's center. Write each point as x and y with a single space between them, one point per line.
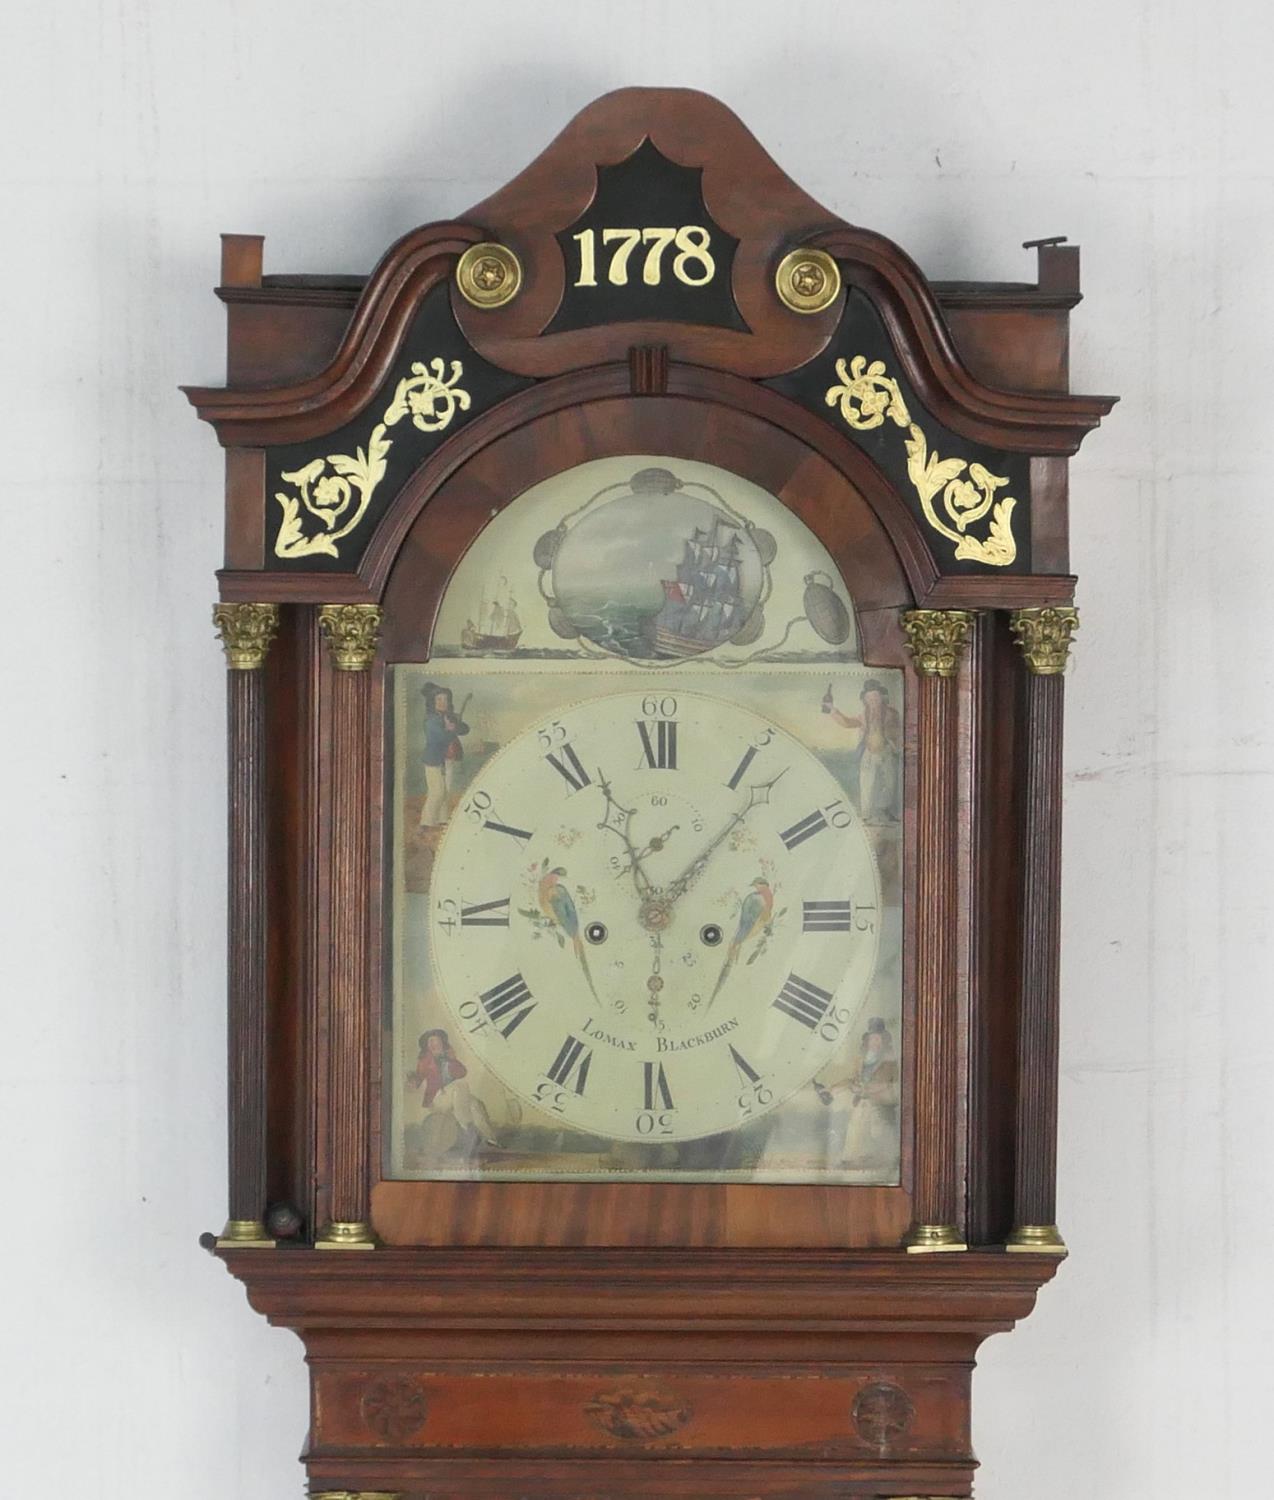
498 627
703 605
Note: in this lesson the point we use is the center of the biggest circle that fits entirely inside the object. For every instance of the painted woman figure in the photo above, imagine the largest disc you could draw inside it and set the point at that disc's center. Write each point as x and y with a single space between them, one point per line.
443 751
876 778
441 1076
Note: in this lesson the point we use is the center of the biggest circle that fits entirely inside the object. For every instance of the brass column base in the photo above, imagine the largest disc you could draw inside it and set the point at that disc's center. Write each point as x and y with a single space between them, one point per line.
934 1239
346 1235
244 1234
356 1495
1037 1239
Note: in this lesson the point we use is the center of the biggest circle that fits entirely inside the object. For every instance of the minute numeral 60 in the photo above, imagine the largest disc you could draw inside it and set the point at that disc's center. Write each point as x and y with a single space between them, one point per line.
692 264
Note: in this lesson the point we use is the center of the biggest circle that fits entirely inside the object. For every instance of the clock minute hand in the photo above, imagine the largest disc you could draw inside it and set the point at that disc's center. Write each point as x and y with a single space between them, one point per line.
757 794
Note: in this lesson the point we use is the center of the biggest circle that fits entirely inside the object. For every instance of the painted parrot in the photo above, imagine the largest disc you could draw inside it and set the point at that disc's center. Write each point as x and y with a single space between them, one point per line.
557 905
755 911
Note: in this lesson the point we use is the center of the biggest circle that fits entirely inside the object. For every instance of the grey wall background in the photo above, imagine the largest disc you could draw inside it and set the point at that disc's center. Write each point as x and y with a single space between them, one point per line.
131 133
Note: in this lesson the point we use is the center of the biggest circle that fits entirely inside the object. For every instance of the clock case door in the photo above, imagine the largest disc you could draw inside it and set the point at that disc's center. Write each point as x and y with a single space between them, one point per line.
636 1339
535 448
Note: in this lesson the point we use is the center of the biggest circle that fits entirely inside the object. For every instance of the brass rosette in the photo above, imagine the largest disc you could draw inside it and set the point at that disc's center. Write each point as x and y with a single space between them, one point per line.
807 281
489 275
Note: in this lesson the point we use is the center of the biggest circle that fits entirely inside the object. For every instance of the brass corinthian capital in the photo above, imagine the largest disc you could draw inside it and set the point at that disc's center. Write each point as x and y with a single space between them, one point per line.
246 631
936 639
353 633
1045 637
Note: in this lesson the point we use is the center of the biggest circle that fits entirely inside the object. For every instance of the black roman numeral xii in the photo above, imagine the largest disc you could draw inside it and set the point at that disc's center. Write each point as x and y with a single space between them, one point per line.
659 750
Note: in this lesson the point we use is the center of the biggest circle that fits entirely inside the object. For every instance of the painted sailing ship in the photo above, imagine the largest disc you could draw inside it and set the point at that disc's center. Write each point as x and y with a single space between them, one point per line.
703 605
498 627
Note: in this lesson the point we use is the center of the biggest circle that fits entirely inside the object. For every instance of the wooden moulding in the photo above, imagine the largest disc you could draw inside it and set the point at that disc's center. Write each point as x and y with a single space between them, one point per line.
483 1373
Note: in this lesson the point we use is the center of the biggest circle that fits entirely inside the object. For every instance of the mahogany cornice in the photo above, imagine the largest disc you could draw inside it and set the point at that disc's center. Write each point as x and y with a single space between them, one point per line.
309 408
747 193
582 1291
1031 422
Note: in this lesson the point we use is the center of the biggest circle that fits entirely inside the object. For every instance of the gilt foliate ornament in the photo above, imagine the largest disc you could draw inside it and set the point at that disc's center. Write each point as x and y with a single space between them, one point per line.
868 396
1045 637
246 631
353 633
336 490
936 639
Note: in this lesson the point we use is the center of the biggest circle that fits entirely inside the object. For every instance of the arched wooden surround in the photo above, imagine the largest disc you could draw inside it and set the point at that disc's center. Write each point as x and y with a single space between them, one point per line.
865 526
874 542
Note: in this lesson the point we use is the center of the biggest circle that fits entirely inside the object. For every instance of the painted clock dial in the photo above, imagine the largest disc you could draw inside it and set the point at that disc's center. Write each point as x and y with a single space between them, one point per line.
655 915
646 855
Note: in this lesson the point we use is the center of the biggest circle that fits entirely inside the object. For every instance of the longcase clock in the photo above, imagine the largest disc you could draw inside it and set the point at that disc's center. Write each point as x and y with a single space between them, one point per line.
646 601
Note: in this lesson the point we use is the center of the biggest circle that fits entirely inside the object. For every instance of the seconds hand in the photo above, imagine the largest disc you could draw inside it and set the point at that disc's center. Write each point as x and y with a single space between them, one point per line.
655 983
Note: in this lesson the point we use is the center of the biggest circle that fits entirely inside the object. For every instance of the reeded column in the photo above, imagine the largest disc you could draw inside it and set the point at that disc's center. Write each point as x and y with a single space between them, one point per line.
246 632
936 638
352 632
1044 636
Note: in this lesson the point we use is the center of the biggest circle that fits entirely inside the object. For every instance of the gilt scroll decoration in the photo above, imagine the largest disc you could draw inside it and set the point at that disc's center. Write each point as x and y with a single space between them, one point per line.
336 490
867 396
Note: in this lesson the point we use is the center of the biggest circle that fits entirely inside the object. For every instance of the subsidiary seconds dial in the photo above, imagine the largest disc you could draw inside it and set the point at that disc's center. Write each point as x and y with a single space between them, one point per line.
655 916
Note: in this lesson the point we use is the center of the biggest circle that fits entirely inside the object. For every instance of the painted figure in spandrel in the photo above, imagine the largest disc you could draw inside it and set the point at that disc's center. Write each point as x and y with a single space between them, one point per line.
440 1076
876 777
443 752
873 1086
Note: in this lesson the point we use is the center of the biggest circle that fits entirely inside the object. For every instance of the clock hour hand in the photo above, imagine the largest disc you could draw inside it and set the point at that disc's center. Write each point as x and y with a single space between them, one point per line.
657 843
616 820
